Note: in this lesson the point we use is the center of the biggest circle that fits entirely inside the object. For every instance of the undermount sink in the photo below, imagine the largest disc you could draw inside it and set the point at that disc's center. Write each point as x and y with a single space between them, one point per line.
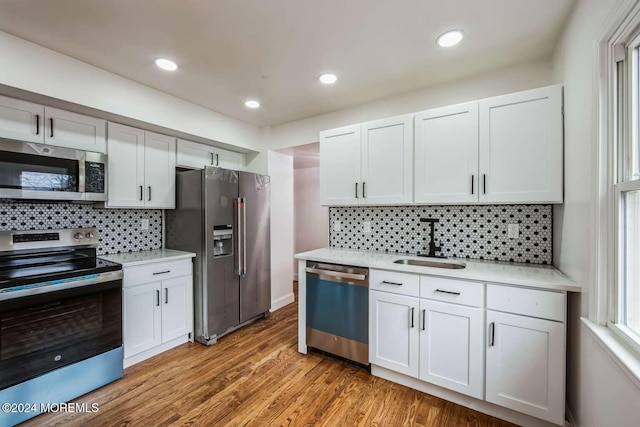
426 263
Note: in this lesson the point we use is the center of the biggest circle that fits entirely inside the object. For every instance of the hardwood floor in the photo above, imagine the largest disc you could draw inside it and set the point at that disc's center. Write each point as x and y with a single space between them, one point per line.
256 377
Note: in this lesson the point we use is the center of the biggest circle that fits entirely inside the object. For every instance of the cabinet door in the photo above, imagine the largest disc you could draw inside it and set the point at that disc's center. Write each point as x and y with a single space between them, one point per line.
21 120
521 147
393 332
71 130
525 365
387 161
452 347
193 155
159 171
126 166
340 166
176 307
228 159
141 318
446 159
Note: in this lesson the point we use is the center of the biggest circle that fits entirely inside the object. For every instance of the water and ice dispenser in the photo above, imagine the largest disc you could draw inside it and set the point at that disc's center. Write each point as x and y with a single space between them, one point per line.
222 240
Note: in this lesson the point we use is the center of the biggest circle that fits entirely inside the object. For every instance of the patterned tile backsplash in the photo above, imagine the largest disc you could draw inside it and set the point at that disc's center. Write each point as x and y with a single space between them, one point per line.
476 231
118 229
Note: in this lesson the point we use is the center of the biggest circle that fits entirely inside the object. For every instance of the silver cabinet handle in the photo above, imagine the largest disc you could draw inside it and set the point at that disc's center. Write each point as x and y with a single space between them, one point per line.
447 292
386 282
51 124
141 191
161 272
472 179
484 184
364 190
424 312
166 295
356 190
37 124
157 298
492 331
149 193
211 159
412 310
217 160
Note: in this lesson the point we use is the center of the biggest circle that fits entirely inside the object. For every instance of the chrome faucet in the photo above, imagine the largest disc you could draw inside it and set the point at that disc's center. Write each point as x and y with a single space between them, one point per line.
431 245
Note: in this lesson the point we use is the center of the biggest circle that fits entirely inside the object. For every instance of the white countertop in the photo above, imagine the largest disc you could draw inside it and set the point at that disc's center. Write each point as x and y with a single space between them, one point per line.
531 275
147 257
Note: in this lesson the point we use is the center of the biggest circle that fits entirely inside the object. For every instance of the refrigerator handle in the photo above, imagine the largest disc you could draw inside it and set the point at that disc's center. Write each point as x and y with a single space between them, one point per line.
238 204
244 237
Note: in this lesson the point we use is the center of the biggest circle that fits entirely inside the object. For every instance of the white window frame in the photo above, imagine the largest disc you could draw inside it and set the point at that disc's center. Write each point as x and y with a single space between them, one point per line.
612 162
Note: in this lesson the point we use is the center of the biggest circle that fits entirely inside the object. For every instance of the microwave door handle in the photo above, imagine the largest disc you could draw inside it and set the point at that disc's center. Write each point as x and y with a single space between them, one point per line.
82 175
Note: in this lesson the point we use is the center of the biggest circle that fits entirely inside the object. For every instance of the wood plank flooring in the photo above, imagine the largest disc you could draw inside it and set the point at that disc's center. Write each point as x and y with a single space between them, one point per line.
256 377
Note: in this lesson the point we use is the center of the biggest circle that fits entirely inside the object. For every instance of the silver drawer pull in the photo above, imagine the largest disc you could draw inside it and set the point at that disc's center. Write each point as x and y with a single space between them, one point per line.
447 292
391 283
161 272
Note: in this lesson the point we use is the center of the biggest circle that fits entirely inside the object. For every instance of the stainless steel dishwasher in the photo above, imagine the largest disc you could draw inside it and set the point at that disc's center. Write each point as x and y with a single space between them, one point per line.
338 310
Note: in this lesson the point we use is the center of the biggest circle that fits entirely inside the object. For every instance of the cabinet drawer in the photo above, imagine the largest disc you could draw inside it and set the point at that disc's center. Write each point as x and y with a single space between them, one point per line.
156 272
529 302
398 283
452 290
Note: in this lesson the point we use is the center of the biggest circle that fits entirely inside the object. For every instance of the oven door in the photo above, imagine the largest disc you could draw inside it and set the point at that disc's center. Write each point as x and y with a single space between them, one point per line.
44 332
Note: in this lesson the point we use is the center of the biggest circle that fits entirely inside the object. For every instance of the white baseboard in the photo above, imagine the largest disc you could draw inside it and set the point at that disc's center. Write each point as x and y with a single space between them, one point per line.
285 300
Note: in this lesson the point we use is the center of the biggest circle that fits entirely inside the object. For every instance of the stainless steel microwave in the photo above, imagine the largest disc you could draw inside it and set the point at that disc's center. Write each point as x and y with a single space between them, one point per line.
43 172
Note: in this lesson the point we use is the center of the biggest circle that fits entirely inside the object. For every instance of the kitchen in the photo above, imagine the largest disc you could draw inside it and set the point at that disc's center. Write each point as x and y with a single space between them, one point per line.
54 72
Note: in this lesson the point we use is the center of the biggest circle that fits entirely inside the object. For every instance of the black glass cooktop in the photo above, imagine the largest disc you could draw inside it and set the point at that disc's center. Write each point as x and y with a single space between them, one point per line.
34 267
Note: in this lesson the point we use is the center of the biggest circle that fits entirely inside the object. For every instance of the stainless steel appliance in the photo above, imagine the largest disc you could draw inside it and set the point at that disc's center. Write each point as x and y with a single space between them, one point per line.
338 310
223 216
60 319
37 171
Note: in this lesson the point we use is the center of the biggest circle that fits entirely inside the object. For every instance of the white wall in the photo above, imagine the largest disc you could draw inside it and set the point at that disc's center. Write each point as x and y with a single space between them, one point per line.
33 68
281 172
599 393
510 79
311 219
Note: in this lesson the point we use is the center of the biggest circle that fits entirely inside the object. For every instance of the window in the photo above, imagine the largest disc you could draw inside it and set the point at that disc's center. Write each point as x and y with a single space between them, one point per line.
625 318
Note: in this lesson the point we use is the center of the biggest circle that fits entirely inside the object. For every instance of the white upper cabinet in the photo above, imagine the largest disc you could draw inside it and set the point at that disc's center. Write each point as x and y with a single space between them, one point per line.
71 130
521 147
159 170
141 168
387 161
446 154
196 156
26 121
368 164
21 120
340 166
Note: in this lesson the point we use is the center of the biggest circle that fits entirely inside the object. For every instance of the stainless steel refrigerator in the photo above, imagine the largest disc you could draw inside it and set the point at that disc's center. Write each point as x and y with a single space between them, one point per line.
223 216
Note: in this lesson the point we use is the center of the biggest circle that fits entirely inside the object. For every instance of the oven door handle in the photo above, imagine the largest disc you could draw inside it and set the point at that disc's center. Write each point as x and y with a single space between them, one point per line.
46 287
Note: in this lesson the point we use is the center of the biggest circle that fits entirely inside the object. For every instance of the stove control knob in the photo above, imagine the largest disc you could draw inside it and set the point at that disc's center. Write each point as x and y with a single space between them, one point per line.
89 235
78 236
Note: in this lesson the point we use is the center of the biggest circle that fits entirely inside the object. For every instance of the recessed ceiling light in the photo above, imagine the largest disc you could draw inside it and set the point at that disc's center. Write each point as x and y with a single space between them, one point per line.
450 38
251 104
166 64
328 78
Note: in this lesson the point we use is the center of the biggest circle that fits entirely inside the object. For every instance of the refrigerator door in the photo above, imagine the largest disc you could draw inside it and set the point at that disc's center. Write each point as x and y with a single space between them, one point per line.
222 295
255 286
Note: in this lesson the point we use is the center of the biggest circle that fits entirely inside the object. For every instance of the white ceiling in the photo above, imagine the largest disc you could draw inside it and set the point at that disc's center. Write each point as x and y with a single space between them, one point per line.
274 50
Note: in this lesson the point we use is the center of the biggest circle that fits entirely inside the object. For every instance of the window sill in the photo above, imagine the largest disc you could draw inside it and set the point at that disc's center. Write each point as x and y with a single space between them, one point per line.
627 359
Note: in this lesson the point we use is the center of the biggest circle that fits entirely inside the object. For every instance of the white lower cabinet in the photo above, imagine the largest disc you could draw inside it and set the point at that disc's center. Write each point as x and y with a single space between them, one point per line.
515 358
158 308
526 361
393 332
451 347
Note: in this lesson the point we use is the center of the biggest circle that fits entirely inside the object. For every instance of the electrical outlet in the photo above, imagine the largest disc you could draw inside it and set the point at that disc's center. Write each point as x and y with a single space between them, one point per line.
144 224
337 226
366 227
513 231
